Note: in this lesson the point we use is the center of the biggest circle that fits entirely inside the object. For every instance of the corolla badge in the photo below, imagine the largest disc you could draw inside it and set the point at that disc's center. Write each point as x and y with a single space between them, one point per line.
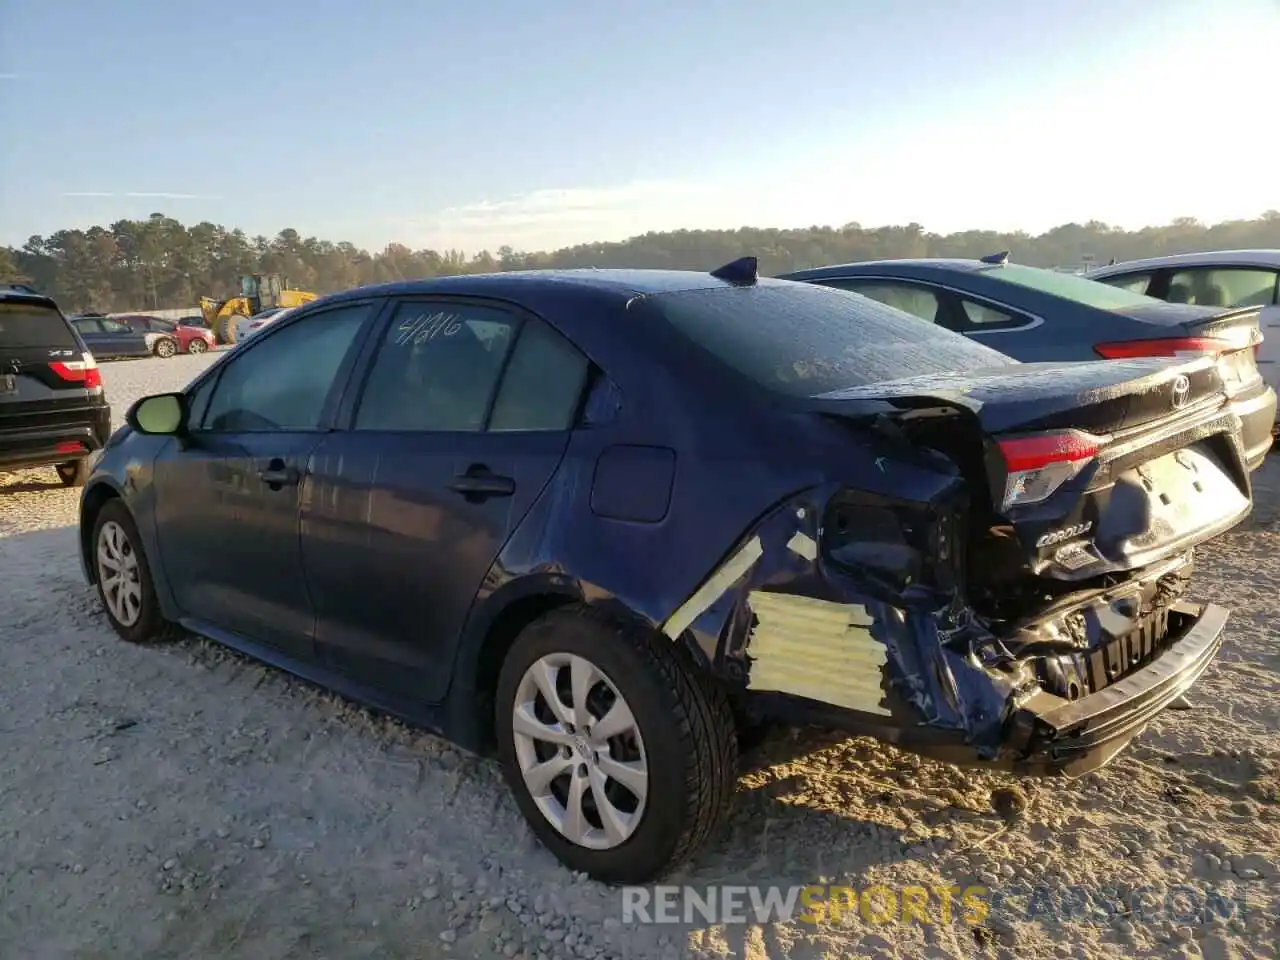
1181 392
1065 533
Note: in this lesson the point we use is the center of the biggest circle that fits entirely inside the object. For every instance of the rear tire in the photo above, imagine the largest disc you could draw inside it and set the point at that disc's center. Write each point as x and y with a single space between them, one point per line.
165 348
671 739
197 346
73 473
123 578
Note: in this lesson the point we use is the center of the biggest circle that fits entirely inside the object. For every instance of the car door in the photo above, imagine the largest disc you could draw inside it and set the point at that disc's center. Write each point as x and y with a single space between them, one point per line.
122 340
228 496
94 337
462 419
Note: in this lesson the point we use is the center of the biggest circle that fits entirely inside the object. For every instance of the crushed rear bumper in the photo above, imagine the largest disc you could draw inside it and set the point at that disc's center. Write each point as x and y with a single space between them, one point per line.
1044 734
1049 734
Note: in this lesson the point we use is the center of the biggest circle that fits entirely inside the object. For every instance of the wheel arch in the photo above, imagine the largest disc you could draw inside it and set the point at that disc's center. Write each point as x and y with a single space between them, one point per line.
502 617
94 498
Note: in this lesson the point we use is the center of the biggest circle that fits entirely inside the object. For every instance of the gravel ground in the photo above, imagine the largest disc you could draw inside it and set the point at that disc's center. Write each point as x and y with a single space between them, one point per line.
184 801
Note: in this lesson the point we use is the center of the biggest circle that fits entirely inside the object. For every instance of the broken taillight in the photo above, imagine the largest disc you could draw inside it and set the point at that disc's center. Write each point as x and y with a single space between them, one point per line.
1036 466
83 371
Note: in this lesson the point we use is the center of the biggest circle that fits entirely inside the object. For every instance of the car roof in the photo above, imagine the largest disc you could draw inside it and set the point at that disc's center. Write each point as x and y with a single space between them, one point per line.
15 294
518 284
956 264
1205 258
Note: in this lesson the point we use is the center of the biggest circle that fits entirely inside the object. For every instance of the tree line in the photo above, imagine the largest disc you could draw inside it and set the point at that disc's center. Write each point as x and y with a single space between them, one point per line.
161 263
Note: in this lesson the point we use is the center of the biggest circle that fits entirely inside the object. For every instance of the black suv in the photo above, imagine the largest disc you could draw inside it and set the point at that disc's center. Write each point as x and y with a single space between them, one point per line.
53 411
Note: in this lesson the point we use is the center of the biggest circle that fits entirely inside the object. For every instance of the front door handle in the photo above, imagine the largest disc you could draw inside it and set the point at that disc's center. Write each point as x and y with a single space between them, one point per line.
479 483
277 475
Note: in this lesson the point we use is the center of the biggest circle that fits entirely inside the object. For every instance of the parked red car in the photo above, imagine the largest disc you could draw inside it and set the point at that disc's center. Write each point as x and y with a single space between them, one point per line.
190 339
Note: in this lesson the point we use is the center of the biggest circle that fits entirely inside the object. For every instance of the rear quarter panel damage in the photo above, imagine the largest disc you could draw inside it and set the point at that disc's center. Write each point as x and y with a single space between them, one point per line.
777 617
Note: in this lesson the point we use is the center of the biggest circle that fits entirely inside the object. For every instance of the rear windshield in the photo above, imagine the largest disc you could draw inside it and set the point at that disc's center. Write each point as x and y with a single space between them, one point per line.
802 340
1091 293
33 325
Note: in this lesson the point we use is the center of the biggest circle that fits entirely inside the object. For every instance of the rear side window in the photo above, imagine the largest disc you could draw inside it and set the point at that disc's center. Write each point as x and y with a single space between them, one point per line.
542 384
803 339
33 325
436 368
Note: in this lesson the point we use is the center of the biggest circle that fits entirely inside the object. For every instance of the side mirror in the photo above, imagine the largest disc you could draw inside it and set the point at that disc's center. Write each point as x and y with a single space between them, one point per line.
162 414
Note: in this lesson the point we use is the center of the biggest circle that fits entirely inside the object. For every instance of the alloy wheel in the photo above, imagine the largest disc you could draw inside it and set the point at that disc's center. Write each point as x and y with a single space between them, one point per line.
118 574
197 346
580 751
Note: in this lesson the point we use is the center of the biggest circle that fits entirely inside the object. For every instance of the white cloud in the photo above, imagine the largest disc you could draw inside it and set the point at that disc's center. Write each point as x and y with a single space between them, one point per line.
551 218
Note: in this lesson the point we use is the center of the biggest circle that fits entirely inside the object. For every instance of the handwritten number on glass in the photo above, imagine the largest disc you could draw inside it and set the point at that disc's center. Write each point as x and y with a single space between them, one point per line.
428 326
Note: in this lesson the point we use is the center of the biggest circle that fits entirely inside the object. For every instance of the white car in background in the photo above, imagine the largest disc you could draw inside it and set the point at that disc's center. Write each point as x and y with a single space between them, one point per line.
1216 278
248 326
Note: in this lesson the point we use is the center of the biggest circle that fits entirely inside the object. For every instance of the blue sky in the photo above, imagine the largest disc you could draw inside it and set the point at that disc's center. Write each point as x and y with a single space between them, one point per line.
545 124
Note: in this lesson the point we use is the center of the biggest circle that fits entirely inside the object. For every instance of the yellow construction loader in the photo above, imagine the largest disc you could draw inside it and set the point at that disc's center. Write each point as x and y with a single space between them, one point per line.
258 292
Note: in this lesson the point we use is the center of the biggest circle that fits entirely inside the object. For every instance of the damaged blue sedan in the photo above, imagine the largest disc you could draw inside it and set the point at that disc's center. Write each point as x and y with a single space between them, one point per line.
593 522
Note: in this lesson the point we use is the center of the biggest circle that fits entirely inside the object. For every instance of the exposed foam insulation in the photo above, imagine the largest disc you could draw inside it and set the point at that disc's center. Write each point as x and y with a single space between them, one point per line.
816 649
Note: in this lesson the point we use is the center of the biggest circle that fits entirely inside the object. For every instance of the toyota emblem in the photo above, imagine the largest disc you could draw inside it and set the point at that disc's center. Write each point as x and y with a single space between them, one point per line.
1181 392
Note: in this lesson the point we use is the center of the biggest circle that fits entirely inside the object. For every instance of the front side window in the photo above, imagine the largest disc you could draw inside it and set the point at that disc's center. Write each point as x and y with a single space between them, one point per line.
1223 287
907 297
1133 282
115 326
436 368
282 381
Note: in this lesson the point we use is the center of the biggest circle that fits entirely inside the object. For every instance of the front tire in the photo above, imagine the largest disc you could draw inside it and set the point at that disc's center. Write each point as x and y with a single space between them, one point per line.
197 346
621 756
73 473
165 348
123 578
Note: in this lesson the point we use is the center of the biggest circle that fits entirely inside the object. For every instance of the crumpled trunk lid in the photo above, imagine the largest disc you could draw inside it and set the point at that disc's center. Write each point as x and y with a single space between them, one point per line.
1075 470
1103 395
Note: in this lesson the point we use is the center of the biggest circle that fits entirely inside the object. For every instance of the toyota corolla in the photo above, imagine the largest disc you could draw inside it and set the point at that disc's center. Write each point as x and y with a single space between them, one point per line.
591 521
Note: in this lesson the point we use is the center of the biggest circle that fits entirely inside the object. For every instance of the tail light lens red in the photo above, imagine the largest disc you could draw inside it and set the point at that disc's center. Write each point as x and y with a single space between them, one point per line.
1171 347
84 371
1038 465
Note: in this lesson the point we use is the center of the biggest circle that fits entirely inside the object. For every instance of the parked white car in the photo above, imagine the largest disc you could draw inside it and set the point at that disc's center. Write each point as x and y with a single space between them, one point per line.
1217 278
248 326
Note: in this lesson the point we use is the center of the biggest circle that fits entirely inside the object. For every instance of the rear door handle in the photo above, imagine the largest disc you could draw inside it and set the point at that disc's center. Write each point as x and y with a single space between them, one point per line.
478 483
277 475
